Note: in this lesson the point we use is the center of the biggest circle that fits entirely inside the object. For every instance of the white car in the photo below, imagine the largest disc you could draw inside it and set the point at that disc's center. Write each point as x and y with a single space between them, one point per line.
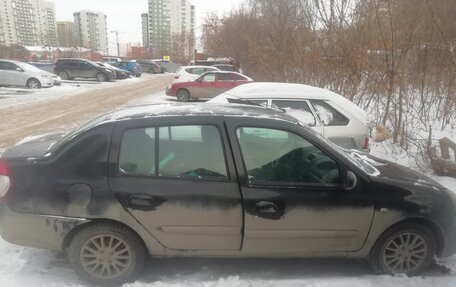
14 73
189 73
330 114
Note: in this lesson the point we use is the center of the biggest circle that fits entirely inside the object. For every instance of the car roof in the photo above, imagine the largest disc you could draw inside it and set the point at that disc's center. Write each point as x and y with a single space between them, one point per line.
214 110
199 66
11 61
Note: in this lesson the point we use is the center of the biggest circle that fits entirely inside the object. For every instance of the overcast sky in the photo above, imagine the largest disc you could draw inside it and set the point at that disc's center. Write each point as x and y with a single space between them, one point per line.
125 16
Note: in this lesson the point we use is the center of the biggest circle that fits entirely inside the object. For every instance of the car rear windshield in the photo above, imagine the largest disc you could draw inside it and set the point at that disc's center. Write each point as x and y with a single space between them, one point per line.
74 133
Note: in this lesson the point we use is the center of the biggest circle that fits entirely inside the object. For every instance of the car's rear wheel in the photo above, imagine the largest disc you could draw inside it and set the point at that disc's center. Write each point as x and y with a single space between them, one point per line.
404 249
33 84
64 76
183 95
101 77
106 254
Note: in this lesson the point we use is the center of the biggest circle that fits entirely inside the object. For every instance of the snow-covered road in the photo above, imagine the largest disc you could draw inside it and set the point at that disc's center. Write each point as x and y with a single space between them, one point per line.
22 266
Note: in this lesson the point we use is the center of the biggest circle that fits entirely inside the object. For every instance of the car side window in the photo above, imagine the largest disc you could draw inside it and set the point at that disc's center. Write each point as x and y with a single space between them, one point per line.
208 78
237 77
137 152
328 115
225 77
304 112
273 156
8 66
193 151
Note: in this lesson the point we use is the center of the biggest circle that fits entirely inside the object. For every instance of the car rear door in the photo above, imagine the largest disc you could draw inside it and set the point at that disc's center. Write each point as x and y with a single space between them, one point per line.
293 198
203 87
177 178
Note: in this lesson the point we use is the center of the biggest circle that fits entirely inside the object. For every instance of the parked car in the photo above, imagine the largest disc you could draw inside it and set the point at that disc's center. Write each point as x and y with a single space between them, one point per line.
189 73
328 113
235 181
131 66
150 67
208 85
118 73
68 69
226 67
14 73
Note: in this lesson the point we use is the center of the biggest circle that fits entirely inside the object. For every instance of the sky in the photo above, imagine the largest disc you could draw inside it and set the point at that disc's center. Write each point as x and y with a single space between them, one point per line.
125 16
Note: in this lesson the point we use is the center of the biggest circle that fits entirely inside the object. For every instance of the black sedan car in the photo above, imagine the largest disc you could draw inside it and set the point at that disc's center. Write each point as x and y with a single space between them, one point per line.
232 181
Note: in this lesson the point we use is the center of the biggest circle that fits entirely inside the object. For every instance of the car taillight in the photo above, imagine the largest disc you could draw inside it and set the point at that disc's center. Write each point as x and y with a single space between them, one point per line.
177 76
5 180
366 143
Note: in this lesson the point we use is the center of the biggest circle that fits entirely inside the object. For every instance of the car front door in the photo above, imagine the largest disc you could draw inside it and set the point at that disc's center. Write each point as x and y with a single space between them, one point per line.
87 70
177 180
5 75
203 87
293 198
14 74
301 110
225 82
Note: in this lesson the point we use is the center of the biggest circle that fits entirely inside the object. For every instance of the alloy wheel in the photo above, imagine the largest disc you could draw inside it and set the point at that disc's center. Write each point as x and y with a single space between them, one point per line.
106 256
404 253
34 84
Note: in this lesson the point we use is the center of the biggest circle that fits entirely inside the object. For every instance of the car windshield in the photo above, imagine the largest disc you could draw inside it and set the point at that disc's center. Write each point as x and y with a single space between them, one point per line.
353 156
30 68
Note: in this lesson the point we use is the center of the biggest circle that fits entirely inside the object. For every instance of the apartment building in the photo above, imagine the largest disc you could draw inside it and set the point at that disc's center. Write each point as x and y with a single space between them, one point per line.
90 30
27 22
65 33
168 18
145 29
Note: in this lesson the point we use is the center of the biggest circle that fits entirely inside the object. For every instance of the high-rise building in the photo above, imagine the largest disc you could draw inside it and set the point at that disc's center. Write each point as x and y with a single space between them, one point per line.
145 29
28 22
65 32
48 24
170 18
90 30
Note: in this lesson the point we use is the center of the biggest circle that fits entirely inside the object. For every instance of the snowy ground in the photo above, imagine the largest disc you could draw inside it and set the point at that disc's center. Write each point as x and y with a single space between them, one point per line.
22 266
19 96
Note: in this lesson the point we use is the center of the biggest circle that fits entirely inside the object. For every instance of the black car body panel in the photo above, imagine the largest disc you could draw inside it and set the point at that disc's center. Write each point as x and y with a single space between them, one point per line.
80 180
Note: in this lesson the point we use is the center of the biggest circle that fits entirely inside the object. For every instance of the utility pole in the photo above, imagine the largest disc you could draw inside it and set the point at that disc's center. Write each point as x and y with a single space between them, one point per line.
117 41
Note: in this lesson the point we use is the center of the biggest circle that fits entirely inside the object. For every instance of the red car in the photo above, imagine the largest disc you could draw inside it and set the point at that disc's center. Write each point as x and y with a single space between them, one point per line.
208 85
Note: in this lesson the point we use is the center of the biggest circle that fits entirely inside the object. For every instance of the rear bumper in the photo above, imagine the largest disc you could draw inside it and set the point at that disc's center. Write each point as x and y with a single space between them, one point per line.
35 230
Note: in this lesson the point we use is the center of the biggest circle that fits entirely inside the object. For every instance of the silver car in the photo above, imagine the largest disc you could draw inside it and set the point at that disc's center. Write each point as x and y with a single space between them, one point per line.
15 73
328 113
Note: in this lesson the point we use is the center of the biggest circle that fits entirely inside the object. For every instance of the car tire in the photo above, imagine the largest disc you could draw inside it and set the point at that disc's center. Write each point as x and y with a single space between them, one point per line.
64 75
33 84
152 71
403 249
101 77
107 254
183 95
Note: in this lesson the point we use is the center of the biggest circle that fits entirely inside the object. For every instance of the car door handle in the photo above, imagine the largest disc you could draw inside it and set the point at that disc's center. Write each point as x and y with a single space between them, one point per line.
141 200
266 207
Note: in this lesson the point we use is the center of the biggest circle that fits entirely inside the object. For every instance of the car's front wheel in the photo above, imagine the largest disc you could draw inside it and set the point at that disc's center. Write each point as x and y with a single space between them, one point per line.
183 95
107 254
33 84
404 249
101 77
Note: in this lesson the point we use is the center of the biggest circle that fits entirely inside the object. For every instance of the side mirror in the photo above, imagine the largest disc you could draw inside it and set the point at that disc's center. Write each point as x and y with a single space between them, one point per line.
19 69
350 181
199 80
